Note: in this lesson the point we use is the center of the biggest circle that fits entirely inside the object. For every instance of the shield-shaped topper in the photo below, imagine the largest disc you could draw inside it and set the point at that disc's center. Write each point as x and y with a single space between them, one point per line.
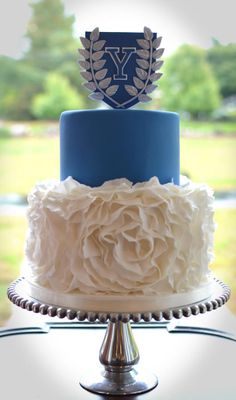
121 68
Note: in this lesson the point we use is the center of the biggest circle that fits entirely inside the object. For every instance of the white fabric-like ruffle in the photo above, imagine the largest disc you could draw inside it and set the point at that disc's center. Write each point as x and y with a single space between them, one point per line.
120 238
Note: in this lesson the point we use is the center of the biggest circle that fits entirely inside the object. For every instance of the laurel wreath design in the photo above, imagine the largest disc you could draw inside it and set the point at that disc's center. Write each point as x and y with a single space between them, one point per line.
146 72
94 71
149 53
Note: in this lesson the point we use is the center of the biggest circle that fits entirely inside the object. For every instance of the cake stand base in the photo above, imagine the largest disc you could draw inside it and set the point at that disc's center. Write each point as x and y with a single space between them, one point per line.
119 353
120 384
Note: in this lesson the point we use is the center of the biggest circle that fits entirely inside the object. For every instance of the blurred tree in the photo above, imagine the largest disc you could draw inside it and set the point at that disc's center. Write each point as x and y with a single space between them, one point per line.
188 84
50 34
18 84
52 48
223 62
57 97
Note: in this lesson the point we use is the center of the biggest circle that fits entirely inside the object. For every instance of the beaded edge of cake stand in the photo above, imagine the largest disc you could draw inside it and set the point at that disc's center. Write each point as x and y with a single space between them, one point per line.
35 306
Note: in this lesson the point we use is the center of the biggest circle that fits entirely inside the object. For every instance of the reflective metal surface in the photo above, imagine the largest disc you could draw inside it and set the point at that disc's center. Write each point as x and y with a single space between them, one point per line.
119 354
119 350
18 296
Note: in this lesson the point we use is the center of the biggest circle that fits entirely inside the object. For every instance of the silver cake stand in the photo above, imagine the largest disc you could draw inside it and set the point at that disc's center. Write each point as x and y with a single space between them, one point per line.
119 353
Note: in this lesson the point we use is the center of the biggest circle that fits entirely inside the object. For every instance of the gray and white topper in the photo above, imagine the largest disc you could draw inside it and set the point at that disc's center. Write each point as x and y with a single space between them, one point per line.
121 68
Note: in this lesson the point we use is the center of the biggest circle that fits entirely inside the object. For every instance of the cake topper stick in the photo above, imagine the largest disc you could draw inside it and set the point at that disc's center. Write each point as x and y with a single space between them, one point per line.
121 68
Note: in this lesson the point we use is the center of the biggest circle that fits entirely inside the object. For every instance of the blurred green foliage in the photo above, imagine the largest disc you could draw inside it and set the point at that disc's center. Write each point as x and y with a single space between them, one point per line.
5 132
52 49
188 84
19 84
58 96
195 80
50 34
223 62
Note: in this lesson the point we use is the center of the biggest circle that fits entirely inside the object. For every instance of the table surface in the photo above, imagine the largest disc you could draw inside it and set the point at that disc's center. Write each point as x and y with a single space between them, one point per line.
47 359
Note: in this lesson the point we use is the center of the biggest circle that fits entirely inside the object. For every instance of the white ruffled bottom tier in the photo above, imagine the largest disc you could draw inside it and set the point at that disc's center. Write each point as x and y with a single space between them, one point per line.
147 242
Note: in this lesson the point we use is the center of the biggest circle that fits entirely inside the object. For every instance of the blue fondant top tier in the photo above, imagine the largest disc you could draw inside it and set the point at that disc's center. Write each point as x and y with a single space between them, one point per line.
100 145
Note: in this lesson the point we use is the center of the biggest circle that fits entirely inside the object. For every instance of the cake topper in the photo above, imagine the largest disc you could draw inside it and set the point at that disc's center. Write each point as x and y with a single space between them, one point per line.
121 68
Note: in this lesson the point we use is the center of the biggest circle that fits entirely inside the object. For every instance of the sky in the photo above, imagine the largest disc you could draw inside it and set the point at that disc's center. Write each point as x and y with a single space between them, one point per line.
178 21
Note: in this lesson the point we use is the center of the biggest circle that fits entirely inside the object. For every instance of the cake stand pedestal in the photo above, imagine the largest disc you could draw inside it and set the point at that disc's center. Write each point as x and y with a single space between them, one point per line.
119 353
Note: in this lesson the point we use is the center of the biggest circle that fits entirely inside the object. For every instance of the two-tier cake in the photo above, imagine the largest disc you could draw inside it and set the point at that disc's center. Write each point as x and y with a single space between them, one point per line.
119 231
